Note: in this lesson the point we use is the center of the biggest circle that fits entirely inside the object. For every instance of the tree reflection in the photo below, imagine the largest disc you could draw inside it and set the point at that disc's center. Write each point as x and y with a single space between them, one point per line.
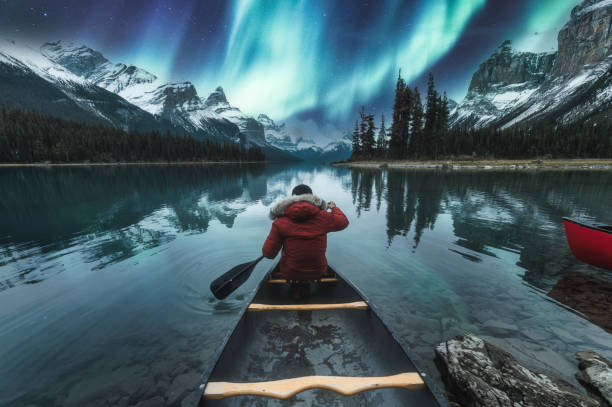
410 197
514 211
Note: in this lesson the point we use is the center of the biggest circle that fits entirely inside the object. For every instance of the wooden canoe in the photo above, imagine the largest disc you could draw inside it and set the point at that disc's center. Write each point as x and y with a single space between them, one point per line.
330 348
589 242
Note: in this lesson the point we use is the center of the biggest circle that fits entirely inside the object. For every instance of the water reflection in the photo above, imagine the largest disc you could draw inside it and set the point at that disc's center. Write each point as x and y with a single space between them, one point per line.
513 211
113 213
440 253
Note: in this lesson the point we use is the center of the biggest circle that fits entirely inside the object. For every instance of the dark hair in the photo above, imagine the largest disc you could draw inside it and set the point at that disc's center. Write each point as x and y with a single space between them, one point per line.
301 190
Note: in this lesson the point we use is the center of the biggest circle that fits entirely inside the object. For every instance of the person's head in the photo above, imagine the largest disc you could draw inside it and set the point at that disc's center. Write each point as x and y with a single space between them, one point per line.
301 190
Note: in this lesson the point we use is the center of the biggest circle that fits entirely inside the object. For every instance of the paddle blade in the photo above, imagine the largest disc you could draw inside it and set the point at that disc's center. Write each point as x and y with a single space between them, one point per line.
234 278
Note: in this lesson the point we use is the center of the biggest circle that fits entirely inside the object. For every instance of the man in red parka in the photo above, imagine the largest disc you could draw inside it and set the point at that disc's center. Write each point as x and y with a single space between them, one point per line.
301 224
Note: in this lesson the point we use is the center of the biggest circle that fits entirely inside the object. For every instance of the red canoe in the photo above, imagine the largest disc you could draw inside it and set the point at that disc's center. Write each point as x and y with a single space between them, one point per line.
590 243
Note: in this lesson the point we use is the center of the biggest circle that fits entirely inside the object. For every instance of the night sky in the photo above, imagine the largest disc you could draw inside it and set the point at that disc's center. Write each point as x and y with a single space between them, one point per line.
313 59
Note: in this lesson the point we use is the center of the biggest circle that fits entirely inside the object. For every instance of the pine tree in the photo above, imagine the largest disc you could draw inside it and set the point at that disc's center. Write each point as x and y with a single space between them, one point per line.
430 134
356 141
406 112
363 129
395 144
443 118
417 147
368 140
381 141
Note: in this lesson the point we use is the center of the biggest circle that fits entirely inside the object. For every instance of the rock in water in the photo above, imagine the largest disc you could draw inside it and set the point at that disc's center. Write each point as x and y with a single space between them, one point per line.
479 374
596 373
589 295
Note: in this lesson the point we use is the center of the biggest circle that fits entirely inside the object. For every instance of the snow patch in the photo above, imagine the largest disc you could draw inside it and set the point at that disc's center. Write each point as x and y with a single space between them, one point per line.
30 59
601 4
503 100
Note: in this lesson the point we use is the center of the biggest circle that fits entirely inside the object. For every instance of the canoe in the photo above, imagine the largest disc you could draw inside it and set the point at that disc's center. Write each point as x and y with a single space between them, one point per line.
330 348
589 242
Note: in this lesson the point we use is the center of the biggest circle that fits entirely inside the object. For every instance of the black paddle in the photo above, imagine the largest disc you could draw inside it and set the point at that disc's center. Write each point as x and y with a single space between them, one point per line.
228 282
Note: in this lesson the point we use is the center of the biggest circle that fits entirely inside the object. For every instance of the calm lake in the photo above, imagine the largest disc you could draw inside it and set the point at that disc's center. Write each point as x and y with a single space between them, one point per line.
104 270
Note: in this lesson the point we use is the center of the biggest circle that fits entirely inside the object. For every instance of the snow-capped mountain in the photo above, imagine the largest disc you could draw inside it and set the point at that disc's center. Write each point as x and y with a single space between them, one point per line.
302 147
94 67
338 150
177 102
278 135
30 80
74 81
571 84
507 79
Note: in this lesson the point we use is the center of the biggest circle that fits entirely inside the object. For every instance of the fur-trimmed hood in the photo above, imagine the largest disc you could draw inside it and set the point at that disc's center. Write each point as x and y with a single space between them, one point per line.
279 209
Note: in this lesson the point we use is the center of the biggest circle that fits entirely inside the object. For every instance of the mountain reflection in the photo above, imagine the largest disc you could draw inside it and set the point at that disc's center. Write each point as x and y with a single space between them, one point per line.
513 211
112 213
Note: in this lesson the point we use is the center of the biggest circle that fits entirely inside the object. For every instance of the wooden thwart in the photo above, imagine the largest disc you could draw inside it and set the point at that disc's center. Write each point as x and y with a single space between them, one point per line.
283 389
308 307
321 280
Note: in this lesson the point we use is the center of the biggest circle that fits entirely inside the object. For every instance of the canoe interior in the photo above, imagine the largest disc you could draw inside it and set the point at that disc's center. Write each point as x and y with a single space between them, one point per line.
274 345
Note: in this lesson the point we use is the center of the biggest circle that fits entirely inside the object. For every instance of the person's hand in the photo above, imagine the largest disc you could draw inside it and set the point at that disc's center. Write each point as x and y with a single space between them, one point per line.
331 204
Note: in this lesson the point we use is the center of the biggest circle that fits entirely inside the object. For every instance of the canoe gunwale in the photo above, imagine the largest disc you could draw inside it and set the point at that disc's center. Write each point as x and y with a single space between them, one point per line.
431 386
217 355
591 226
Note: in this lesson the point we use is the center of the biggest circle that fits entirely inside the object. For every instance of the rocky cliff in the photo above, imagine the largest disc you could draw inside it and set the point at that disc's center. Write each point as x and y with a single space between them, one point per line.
506 67
503 81
586 39
514 88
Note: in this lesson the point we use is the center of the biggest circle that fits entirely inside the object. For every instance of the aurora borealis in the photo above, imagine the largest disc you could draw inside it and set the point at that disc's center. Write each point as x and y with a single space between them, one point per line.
318 59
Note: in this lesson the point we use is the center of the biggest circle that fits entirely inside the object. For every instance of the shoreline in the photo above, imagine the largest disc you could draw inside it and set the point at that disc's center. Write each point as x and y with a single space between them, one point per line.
7 165
586 164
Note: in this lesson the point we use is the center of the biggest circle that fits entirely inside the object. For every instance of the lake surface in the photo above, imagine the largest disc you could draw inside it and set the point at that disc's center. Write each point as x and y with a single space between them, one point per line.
104 270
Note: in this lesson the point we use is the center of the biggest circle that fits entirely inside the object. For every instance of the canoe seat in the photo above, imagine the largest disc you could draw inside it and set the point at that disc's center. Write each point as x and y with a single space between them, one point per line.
284 389
284 281
308 307
276 277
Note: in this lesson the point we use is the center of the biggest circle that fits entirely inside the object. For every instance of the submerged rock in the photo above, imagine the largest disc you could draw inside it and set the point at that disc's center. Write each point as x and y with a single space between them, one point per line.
479 374
589 295
595 373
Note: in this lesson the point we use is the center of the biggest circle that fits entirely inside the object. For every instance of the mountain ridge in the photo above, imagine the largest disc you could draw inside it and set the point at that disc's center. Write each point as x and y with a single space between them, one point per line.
73 81
517 88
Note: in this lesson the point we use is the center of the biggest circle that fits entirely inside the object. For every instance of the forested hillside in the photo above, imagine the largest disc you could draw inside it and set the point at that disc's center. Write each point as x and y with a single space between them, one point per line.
421 132
29 137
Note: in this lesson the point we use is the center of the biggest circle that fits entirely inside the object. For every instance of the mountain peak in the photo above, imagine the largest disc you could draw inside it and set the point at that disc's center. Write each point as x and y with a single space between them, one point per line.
265 120
506 67
77 58
182 91
216 98
91 65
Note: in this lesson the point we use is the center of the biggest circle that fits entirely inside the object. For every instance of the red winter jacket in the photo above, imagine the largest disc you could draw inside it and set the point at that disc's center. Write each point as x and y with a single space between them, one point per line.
300 227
